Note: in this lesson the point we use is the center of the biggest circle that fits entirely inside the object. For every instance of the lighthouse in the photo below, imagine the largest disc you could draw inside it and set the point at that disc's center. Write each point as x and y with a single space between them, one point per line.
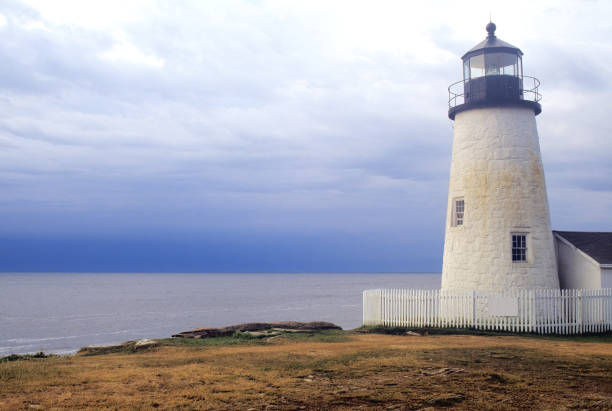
500 257
498 234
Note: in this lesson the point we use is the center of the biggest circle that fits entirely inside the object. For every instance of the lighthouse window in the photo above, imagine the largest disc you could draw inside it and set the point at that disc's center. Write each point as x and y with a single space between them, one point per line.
509 65
477 66
458 211
493 64
519 247
501 63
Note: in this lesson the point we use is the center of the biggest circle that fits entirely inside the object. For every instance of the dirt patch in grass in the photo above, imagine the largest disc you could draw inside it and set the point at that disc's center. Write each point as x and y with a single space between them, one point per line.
347 371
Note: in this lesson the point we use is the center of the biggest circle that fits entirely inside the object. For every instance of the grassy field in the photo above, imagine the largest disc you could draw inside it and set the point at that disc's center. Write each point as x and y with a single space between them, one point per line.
333 369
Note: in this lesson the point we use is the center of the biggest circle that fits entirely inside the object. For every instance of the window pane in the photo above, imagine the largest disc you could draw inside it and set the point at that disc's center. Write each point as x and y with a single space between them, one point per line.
466 70
501 63
519 247
493 61
509 64
458 212
477 66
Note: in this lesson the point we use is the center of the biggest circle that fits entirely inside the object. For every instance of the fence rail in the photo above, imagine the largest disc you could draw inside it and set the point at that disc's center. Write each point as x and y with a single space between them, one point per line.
536 311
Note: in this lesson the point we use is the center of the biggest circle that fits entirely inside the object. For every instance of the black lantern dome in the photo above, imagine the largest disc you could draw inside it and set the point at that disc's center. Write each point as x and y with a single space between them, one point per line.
493 76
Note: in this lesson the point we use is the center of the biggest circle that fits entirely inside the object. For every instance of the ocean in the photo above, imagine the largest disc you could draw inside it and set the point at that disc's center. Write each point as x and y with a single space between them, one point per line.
59 313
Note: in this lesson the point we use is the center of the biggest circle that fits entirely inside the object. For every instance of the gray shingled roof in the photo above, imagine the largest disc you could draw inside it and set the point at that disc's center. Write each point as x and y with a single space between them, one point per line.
596 245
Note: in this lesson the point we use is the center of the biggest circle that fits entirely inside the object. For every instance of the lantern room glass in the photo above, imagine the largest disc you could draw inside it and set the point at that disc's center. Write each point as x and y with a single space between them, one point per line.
477 66
501 64
492 64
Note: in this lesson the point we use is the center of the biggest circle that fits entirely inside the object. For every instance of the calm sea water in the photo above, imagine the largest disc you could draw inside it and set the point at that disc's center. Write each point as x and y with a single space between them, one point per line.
60 313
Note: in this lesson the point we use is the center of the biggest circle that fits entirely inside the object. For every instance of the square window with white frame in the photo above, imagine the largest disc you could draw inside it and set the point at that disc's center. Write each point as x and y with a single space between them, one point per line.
519 247
458 211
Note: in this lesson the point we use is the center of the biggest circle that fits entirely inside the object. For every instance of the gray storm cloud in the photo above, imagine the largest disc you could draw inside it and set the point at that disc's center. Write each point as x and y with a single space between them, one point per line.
260 116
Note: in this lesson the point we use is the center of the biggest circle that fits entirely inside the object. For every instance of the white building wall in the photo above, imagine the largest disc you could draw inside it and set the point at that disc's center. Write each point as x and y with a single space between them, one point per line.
497 168
606 278
576 269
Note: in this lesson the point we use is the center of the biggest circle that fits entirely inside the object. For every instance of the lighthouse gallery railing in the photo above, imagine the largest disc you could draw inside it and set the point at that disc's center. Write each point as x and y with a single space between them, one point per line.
530 91
534 311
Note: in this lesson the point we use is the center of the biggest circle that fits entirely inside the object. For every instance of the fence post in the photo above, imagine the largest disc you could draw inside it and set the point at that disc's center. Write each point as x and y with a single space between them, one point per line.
579 314
532 305
473 308
364 302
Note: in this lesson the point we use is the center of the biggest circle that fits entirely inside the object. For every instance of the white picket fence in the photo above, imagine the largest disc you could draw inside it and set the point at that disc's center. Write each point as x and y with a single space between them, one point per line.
534 311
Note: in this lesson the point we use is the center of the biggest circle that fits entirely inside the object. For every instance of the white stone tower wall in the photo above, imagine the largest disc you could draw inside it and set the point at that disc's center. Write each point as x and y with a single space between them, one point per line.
497 169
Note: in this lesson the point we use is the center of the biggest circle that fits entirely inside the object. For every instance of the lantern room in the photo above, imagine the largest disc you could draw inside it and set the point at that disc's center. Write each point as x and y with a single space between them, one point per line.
493 76
492 57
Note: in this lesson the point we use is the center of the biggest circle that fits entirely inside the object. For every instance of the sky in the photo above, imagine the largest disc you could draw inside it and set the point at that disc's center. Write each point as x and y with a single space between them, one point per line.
272 136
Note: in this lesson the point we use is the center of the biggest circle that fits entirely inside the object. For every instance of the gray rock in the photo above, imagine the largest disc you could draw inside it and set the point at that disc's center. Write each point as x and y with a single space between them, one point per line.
253 327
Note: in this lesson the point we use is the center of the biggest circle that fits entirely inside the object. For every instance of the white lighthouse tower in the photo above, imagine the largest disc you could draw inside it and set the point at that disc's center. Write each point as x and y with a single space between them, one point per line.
498 234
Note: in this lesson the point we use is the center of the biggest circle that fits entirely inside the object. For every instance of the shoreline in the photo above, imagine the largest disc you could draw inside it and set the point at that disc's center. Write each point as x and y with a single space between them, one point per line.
604 337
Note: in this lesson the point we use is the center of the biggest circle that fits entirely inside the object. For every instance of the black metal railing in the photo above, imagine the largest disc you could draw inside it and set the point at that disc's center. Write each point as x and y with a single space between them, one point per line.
529 91
456 93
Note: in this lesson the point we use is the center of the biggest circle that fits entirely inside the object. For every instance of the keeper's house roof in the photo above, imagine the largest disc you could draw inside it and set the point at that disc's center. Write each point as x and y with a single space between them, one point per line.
597 245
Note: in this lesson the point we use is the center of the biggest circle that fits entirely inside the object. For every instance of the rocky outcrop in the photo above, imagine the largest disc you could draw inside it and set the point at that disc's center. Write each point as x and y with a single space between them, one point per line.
288 326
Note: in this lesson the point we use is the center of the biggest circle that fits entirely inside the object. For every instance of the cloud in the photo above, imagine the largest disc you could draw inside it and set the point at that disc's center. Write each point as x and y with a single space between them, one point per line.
269 117
125 51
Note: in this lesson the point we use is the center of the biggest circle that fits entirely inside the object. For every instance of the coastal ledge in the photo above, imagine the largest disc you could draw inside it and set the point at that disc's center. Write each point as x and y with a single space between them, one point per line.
256 328
344 370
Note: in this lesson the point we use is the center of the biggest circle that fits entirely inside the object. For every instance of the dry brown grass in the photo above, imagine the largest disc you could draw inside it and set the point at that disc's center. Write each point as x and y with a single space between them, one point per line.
367 371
